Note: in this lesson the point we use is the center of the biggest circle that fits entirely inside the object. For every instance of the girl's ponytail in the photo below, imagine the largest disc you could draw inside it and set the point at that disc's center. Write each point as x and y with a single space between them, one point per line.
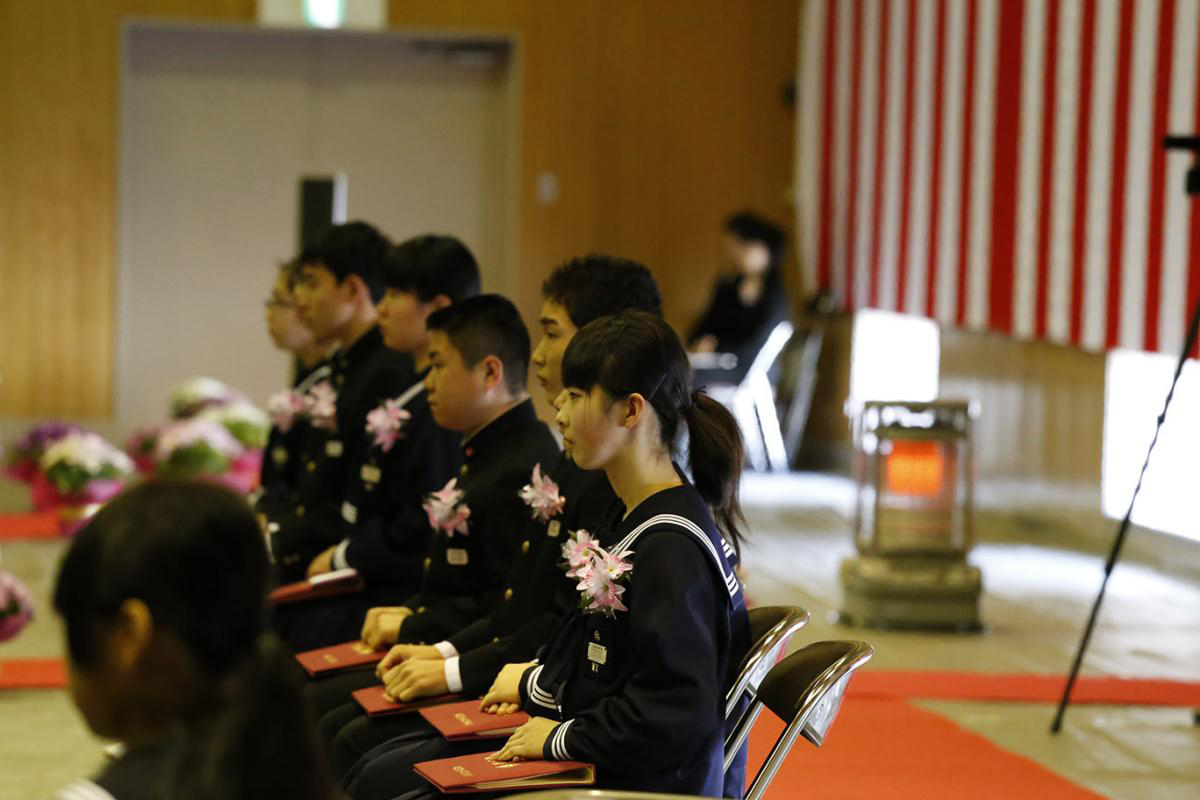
716 456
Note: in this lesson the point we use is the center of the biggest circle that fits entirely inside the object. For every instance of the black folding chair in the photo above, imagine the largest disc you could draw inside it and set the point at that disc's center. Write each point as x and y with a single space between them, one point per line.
805 690
771 628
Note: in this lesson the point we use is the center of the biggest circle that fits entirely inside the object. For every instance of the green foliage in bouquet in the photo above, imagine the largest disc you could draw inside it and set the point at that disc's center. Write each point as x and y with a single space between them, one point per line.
251 435
69 478
198 458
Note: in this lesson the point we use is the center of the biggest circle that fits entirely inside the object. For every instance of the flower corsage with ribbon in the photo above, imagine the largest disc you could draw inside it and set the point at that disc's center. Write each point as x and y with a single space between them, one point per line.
446 510
385 423
541 495
284 408
598 572
320 406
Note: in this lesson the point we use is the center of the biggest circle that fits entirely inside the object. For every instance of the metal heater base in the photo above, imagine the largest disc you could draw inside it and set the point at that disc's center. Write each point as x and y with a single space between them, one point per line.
911 592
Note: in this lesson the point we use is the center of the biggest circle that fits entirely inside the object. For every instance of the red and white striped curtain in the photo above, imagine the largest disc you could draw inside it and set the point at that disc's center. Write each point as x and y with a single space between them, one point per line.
997 164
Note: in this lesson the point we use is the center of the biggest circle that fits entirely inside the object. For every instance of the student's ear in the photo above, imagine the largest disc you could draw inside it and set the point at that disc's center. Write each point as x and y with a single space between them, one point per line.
131 633
493 372
439 302
632 409
358 291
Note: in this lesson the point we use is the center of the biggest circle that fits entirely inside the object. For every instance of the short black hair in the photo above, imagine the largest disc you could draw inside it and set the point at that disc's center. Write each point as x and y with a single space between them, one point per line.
163 542
597 285
751 227
353 248
487 325
432 265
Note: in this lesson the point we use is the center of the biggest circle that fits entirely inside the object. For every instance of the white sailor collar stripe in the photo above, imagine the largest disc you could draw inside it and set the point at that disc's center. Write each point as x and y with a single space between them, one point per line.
731 581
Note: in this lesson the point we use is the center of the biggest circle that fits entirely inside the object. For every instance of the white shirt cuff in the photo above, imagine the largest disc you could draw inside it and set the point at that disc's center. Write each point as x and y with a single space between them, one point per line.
446 649
453 677
339 555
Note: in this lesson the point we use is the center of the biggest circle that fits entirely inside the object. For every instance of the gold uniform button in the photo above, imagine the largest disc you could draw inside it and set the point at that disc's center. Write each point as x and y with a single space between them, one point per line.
339 379
508 594
525 546
462 471
299 511
495 639
311 466
428 563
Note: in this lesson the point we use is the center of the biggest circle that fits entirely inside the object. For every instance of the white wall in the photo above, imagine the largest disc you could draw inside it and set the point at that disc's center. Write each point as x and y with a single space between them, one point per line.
217 126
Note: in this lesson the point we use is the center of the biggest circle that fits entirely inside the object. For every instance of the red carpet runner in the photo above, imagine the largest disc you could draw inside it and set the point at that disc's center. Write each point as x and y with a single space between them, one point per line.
887 748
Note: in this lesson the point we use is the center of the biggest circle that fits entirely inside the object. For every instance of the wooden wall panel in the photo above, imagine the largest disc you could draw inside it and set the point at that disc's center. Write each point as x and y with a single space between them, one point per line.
58 144
658 119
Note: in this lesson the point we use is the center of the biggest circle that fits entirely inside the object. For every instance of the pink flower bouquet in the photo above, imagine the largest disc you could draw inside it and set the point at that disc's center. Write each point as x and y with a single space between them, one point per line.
21 463
16 606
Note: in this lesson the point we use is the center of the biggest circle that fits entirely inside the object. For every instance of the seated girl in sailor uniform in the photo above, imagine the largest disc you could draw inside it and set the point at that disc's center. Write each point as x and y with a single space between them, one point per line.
634 679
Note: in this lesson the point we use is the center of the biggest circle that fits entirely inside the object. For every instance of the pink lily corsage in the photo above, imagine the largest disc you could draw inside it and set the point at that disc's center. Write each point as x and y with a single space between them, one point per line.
284 408
541 494
446 511
320 405
598 573
385 422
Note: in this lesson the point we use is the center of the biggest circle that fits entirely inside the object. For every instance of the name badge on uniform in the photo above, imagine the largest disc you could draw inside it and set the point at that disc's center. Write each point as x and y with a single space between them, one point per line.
279 455
333 448
597 653
370 474
554 528
350 512
456 556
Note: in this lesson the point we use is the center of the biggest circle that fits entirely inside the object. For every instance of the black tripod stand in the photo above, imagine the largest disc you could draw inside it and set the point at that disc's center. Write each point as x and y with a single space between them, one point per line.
1193 188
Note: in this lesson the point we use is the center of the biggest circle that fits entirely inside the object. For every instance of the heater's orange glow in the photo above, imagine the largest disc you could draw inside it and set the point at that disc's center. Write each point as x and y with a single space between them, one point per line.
915 468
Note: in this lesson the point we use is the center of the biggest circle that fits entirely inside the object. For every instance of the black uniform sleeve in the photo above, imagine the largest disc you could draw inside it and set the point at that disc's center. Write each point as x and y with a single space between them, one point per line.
668 705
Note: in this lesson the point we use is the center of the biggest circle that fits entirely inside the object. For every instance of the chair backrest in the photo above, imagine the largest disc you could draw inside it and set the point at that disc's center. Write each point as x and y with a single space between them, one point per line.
805 690
771 628
780 335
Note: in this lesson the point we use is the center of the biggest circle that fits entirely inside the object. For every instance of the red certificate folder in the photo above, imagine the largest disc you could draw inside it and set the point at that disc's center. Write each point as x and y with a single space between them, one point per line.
329 584
478 773
350 655
458 721
376 703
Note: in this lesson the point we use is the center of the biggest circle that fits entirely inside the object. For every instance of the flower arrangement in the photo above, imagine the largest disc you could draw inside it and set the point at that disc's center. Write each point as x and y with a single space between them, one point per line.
16 606
284 408
193 395
320 406
386 422
141 446
22 459
245 421
199 446
598 573
446 511
79 458
541 494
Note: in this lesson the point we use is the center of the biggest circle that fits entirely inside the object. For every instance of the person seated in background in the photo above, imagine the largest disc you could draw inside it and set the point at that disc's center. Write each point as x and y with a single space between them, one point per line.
478 362
634 679
289 334
162 597
537 594
747 303
340 281
384 528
